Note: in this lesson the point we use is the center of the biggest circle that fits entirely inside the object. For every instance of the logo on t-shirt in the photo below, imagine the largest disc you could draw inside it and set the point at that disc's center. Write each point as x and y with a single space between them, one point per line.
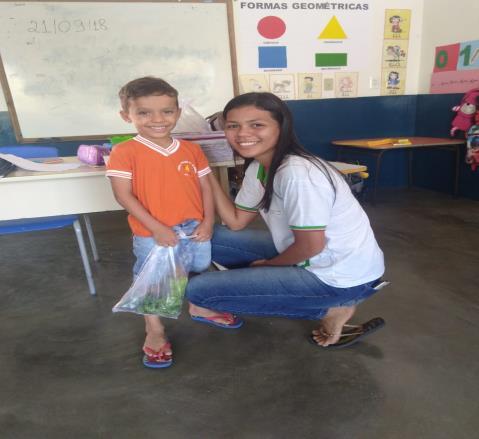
187 168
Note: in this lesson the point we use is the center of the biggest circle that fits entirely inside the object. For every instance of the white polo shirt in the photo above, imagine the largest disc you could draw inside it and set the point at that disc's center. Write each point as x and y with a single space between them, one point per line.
303 199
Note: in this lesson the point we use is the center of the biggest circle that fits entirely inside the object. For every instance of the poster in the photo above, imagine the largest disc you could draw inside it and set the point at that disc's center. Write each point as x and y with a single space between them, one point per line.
249 83
306 43
283 86
309 85
456 68
397 24
346 84
395 51
393 82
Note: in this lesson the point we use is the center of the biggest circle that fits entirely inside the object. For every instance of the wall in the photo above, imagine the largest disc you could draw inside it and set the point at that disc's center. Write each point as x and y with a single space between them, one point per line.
434 22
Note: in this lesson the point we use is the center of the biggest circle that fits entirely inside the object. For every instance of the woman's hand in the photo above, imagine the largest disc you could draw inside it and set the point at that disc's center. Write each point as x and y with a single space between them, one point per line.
306 245
259 263
233 218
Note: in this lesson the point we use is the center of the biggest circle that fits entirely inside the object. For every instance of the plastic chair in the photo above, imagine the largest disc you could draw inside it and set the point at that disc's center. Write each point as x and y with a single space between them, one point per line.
53 222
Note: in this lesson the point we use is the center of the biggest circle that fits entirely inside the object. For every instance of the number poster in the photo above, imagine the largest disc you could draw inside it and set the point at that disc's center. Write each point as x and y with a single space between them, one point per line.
456 68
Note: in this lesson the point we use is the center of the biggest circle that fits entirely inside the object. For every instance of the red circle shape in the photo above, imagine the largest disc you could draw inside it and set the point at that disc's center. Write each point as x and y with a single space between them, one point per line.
271 27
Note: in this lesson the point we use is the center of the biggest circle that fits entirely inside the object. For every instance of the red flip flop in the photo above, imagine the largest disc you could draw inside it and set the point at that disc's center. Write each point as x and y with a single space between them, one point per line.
233 322
157 359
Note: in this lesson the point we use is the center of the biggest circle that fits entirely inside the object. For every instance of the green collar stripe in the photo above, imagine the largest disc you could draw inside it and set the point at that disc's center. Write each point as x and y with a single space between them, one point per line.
262 176
307 227
248 209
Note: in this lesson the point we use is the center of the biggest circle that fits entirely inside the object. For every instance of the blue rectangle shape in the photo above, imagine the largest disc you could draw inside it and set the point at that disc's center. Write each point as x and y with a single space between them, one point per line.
272 57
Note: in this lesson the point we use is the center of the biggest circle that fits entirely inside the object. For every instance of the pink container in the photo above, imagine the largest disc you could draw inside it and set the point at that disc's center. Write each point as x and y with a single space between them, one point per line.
93 154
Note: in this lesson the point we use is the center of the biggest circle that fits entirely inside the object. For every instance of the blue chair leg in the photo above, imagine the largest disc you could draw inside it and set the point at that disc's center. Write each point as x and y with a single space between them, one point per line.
91 237
84 256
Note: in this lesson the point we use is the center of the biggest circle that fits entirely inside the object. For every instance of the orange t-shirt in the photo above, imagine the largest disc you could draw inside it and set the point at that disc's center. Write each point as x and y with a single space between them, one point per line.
164 180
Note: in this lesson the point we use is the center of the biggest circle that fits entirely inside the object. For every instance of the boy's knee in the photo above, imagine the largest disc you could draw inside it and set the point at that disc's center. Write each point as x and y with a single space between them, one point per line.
201 266
202 257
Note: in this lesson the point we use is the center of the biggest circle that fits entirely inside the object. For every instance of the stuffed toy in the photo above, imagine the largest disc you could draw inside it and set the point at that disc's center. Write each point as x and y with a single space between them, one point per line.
472 152
467 112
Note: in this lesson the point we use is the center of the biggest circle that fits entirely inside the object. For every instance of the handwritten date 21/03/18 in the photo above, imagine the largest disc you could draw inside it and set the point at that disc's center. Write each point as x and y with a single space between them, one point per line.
67 26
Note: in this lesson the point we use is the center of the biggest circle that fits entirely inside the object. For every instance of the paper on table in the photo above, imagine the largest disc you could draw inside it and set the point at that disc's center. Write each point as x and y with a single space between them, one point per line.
33 166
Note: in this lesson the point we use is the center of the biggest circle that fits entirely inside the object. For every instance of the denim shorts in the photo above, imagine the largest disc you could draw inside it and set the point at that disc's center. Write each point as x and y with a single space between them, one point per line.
195 256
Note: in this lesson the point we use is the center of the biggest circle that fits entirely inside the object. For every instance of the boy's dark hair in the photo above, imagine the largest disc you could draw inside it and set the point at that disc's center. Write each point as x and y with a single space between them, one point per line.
146 86
288 143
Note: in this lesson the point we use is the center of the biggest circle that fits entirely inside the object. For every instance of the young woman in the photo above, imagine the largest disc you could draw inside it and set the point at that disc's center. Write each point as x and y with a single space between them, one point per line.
318 260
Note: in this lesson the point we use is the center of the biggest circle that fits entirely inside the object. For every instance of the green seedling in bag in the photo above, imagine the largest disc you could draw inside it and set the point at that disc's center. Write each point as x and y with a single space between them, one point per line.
168 305
159 288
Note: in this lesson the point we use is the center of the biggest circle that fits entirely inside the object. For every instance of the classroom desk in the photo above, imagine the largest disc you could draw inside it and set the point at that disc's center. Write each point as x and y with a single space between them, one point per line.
349 168
83 190
416 142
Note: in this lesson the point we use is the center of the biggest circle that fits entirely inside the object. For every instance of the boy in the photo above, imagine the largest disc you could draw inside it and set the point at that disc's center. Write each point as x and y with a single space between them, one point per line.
162 184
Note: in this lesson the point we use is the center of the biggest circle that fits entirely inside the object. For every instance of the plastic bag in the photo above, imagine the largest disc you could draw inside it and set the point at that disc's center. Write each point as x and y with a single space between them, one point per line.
216 121
191 121
159 287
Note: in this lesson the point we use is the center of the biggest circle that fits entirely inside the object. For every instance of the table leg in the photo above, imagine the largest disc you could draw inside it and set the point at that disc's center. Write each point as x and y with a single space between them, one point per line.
221 174
409 176
457 149
376 176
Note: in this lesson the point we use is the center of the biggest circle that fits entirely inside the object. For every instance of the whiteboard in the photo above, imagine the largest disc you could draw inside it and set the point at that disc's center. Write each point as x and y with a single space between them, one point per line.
64 62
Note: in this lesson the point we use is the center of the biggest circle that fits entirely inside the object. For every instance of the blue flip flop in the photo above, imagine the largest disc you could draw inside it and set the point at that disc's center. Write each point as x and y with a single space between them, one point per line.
157 359
353 333
234 322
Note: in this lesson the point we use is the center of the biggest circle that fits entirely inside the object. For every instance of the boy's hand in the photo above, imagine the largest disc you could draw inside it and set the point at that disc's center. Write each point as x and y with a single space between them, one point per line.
203 232
165 236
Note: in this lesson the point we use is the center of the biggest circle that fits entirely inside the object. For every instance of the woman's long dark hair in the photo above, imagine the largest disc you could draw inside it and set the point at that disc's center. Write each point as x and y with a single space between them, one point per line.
288 143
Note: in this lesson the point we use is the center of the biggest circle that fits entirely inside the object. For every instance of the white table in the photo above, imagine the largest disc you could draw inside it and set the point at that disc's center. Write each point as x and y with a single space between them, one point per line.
28 194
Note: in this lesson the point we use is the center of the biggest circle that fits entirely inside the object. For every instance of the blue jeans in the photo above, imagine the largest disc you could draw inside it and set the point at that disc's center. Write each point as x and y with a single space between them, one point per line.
286 291
195 256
